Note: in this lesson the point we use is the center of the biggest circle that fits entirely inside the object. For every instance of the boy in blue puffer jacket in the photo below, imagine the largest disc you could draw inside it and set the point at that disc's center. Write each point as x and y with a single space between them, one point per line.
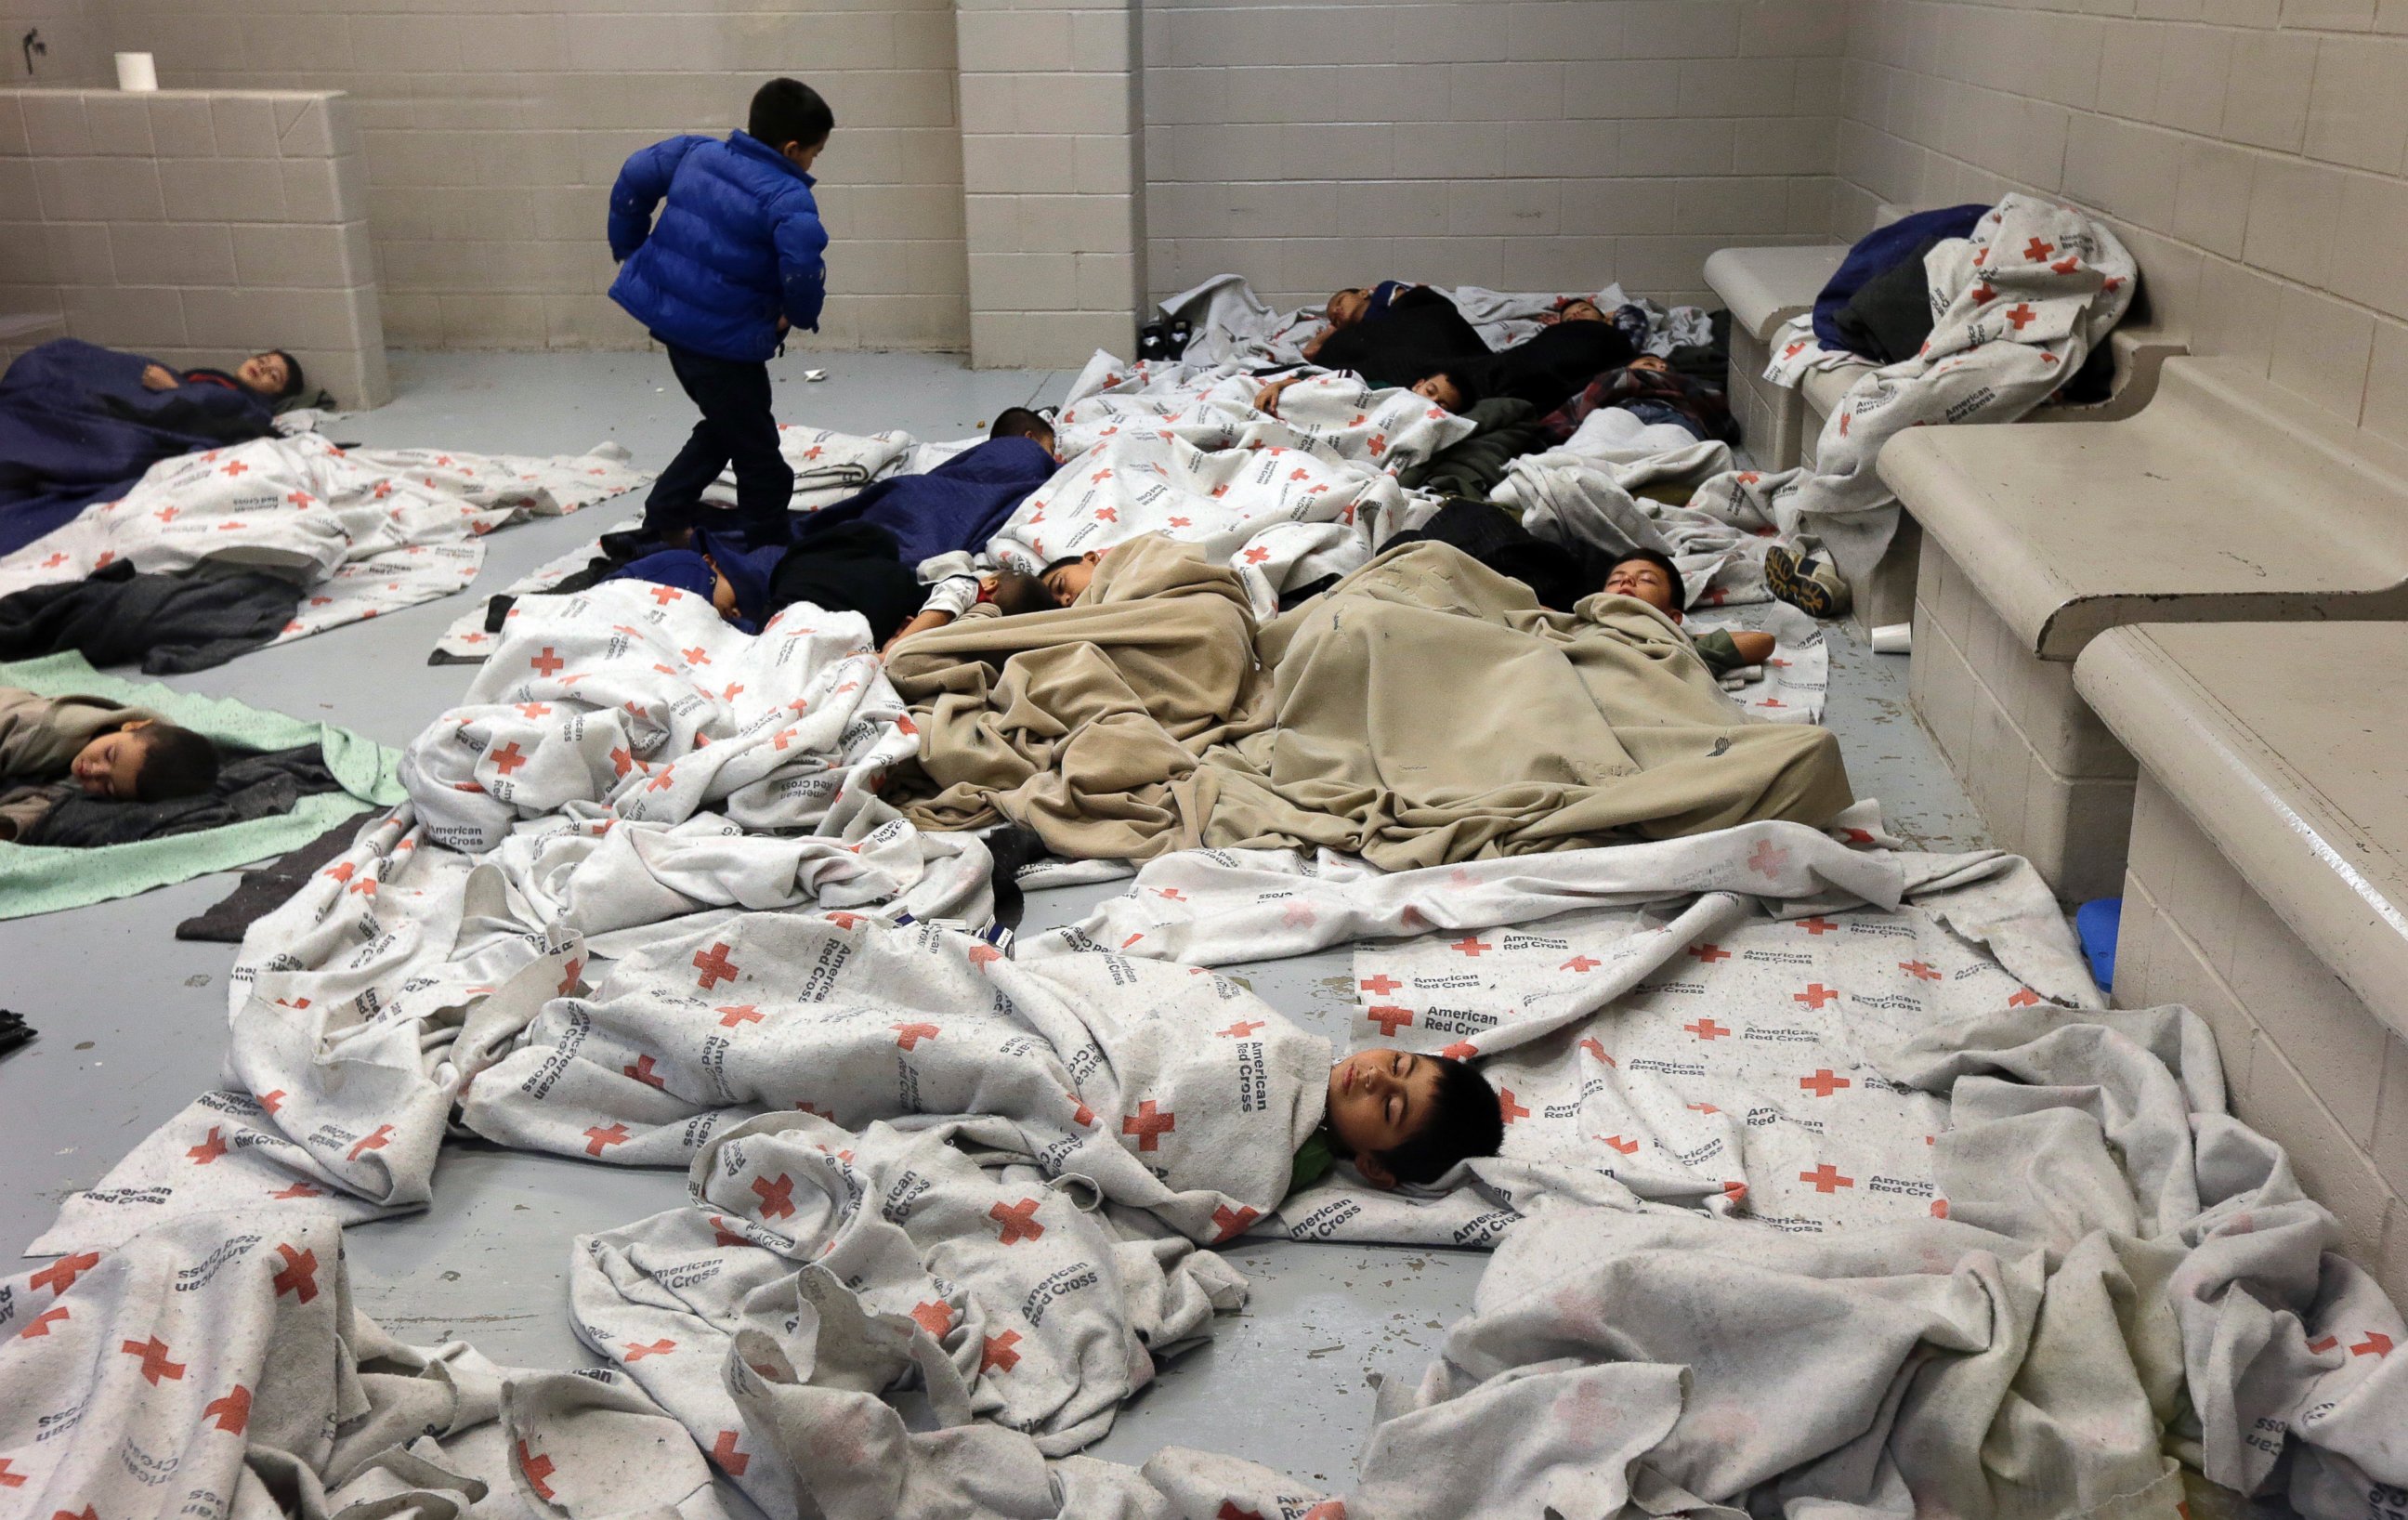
735 261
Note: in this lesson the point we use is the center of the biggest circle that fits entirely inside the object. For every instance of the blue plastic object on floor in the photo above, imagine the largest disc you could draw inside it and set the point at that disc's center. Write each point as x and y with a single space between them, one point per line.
2095 922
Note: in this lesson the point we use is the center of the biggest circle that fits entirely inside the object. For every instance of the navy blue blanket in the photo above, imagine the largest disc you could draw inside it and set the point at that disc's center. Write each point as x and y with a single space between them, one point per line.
1880 250
78 426
960 504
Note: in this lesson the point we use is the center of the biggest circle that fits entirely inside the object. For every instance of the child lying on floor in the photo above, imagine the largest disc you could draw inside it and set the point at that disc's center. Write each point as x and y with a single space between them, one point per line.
1652 577
1401 1117
50 744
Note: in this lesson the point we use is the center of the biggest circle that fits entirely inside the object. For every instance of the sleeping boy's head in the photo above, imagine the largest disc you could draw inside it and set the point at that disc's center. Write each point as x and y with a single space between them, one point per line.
275 375
1404 1117
1347 306
790 117
1021 422
1650 576
1014 592
1448 390
146 762
1067 578
1578 309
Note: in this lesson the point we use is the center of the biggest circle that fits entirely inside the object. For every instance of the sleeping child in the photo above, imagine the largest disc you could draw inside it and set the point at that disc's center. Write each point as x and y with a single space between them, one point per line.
1651 577
1401 1117
49 745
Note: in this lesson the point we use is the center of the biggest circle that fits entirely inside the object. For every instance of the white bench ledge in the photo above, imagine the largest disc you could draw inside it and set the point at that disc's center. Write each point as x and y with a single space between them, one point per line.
2282 745
16 326
2223 500
1764 287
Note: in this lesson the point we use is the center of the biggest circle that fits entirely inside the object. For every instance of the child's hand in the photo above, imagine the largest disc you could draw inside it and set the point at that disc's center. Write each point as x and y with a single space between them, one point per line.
783 324
159 378
1267 399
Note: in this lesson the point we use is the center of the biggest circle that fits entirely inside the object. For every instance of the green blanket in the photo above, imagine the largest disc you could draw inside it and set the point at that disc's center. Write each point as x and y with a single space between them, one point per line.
34 879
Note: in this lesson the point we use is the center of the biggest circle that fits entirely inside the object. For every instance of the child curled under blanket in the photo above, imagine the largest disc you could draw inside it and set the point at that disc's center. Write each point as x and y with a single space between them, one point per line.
1401 1117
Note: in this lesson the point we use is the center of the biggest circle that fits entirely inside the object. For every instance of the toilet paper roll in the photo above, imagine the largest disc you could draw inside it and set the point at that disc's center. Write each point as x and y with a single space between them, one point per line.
1893 638
136 71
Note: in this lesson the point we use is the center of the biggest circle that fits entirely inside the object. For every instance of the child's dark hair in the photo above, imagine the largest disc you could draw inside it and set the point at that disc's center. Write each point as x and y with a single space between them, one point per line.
789 110
176 763
293 379
1662 562
1017 591
1464 1122
1020 423
1064 562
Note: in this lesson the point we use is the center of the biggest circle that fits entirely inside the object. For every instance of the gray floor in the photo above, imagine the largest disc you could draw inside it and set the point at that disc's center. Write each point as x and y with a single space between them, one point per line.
134 1020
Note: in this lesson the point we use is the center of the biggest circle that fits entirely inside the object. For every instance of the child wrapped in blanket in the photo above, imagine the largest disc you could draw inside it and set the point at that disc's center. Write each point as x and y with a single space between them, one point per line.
51 745
1651 577
1401 1117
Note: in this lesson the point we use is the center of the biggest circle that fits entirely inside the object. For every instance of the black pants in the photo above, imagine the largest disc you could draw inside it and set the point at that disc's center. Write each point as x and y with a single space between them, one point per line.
737 427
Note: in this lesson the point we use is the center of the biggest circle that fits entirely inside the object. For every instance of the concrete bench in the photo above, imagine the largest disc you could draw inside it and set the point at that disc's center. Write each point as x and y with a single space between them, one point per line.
2267 888
1763 288
2224 500
23 330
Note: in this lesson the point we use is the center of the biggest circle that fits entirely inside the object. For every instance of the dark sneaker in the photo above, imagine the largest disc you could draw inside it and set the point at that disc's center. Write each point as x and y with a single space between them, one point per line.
1806 579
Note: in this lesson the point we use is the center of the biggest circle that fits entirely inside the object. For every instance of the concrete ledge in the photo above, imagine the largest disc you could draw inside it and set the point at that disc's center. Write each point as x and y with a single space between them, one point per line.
1764 287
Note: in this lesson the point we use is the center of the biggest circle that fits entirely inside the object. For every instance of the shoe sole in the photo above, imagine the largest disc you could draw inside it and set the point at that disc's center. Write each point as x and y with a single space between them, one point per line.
1808 597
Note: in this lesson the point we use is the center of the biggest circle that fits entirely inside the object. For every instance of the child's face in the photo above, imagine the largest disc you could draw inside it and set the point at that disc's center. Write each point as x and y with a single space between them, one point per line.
1067 583
723 594
111 765
1441 389
1347 306
1646 581
265 373
1581 311
1380 1098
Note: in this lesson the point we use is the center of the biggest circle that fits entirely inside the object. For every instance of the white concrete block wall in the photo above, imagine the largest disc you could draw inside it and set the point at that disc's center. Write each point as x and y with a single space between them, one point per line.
1531 144
195 227
2251 151
494 129
1050 176
74 36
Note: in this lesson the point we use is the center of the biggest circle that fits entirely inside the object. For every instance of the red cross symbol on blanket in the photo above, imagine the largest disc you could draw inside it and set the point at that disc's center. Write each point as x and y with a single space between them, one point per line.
235 468
1471 945
666 595
2375 1344
1706 1029
298 1190
1389 1018
1019 1220
1149 1125
1258 555
997 1354
1382 984
1817 925
935 1318
570 975
1768 859
730 1460
547 663
2037 251
1628 1147
1580 963
8 1479
376 1140
1508 1107
1814 996
1918 970
662 783
599 1137
232 1412
1709 954
658 1348
55 562
299 1277
209 1150
1823 1083
61 1275
40 1326
714 965
533 710
1240 1029
1827 1179
777 1198
535 1468
910 1035
642 1071
696 655
1232 1223
508 758
1229 1511
155 1364
1983 292
2020 316
2023 997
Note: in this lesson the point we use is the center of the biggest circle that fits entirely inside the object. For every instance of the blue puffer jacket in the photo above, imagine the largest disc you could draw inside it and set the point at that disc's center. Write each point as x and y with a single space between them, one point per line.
740 241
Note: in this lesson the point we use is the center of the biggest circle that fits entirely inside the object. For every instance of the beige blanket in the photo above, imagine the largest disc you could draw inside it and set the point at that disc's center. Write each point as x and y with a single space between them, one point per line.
1077 722
1425 710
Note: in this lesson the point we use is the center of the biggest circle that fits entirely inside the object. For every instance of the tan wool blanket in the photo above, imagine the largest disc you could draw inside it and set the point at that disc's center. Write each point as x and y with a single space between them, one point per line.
1425 710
